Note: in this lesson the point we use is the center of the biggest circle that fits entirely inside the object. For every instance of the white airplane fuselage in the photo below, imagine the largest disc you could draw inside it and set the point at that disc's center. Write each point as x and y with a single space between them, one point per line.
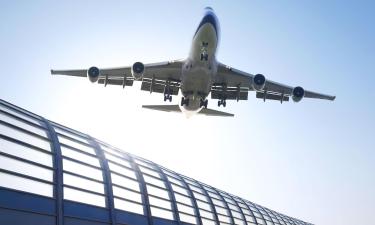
200 68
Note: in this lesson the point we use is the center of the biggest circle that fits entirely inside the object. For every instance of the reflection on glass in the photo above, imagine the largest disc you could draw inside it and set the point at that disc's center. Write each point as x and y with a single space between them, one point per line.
83 183
27 138
79 156
149 171
187 218
114 152
203 205
115 159
122 170
208 222
21 115
128 206
81 169
125 182
76 145
71 135
159 202
23 125
224 219
206 214
24 184
157 192
123 193
84 197
21 151
154 181
166 214
25 168
182 199
179 189
185 209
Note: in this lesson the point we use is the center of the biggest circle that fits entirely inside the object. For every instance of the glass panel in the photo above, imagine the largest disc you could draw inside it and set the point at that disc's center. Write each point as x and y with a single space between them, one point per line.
161 213
143 163
71 135
218 202
122 170
183 199
196 189
239 222
23 125
260 221
83 183
123 193
150 172
83 170
84 197
157 192
79 156
114 152
223 218
154 181
206 214
125 182
213 195
24 137
159 202
25 152
24 184
128 206
25 168
221 210
76 145
21 115
179 189
233 207
204 205
236 214
200 197
250 218
185 209
207 222
176 181
115 159
188 218
22 110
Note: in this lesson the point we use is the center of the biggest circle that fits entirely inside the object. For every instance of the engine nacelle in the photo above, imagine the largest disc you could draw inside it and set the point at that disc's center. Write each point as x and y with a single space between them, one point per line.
138 70
259 81
297 94
93 74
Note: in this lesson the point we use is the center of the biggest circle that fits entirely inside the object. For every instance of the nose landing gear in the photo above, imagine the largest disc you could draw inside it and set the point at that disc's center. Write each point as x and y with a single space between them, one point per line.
184 101
167 97
204 51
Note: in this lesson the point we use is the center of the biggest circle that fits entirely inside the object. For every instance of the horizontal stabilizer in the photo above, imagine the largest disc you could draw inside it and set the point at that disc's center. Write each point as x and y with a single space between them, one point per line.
176 108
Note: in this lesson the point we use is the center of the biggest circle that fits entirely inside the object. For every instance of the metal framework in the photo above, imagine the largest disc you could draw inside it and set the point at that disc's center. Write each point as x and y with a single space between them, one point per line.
53 175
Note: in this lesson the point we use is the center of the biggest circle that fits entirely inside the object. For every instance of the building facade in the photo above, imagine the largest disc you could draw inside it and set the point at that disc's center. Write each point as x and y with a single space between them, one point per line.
53 175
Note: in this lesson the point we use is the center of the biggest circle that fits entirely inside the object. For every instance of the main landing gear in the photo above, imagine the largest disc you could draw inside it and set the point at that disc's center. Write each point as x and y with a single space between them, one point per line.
203 103
167 97
222 102
184 101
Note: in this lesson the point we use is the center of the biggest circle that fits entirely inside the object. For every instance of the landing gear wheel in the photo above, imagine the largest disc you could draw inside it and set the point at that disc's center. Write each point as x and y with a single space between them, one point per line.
222 102
184 101
204 57
203 103
168 97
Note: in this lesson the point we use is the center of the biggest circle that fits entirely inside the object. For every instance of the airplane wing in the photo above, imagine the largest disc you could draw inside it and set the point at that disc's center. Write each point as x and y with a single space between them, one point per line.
235 84
156 76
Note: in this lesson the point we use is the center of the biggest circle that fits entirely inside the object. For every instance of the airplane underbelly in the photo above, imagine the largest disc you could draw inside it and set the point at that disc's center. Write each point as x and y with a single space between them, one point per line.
196 84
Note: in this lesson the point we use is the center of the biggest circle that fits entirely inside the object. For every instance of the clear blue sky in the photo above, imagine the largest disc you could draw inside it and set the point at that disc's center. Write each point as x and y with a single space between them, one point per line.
314 160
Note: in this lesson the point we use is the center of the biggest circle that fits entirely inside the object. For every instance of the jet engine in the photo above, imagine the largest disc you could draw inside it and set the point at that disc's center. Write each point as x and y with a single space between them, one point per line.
138 70
93 74
297 94
259 81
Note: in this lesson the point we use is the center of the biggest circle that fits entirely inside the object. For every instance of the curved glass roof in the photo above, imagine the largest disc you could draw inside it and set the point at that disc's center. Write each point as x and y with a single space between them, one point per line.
43 158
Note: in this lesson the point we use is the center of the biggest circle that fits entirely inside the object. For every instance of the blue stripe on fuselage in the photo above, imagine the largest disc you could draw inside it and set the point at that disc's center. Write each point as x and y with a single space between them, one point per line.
210 18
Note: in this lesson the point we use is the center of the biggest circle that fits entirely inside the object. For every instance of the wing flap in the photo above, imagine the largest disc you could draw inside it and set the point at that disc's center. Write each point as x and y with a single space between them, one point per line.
270 96
159 86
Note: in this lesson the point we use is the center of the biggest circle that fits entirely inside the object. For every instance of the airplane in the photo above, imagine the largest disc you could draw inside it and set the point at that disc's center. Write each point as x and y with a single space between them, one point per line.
197 76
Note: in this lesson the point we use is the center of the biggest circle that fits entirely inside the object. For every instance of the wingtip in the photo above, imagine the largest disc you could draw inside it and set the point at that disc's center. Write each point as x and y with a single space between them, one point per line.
333 98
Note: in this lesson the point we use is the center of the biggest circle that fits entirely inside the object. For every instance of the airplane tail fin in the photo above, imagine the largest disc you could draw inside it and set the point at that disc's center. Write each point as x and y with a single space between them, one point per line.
176 108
